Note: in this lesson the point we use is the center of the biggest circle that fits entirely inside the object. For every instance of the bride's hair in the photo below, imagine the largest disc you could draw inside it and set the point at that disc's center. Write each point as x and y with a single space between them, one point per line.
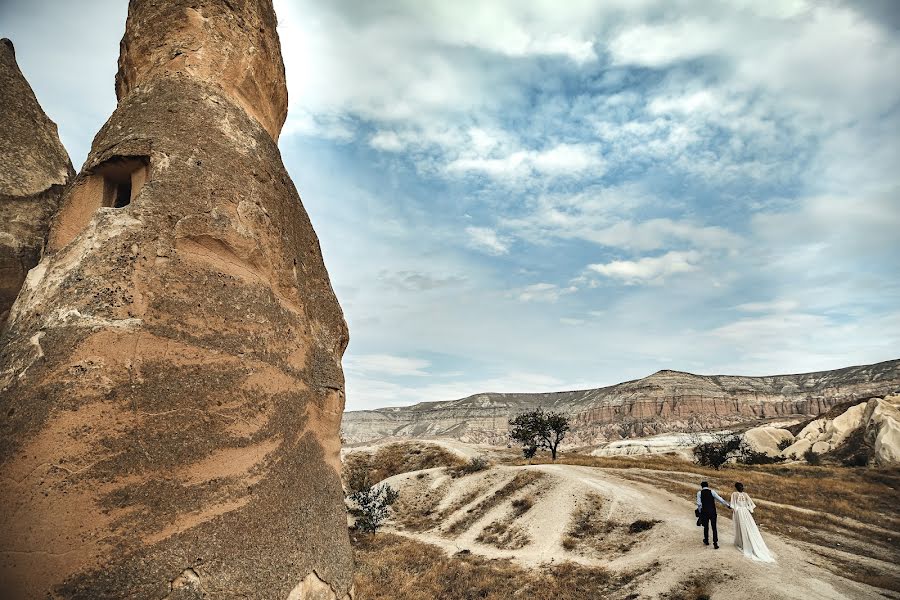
739 486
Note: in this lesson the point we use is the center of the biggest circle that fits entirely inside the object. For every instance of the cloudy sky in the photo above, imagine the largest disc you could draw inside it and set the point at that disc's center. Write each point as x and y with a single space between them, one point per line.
536 196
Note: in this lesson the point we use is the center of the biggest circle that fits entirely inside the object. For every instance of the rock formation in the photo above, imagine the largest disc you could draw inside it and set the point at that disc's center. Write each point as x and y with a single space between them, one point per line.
170 380
34 169
663 402
869 429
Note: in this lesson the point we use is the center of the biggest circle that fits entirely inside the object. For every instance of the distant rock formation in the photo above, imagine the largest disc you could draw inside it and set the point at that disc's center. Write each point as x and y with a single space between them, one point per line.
34 169
663 402
869 431
170 379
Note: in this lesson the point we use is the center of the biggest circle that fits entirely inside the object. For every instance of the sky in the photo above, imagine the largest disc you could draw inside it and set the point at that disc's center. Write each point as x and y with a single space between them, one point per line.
525 196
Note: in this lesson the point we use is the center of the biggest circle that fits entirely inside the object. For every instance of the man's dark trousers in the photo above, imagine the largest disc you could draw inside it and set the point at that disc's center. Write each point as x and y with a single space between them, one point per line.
708 520
708 515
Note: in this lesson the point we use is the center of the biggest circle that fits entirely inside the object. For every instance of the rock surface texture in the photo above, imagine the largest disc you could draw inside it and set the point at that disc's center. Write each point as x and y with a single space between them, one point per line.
34 169
170 379
663 402
876 424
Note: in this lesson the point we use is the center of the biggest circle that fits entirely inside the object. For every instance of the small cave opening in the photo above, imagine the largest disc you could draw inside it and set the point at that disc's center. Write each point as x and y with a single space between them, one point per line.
123 178
114 183
123 195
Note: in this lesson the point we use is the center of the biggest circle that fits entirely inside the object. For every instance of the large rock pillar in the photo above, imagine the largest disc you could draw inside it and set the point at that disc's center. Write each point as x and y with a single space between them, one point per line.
34 169
170 380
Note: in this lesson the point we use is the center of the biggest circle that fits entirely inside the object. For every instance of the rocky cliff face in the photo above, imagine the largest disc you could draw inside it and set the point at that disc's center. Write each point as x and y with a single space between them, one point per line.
665 401
170 380
34 169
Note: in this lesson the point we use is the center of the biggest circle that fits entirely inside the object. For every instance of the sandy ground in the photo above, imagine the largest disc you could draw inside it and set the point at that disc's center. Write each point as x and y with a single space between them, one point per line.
670 552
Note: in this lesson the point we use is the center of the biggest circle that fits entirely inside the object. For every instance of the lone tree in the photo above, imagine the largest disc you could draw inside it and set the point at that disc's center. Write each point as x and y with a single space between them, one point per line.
373 506
539 429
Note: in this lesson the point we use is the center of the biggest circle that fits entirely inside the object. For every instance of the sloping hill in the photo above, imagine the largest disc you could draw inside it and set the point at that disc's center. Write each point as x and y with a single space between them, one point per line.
664 401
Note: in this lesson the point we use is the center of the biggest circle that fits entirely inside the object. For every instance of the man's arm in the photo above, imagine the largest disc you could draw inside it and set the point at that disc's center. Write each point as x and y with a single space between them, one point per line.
719 499
699 504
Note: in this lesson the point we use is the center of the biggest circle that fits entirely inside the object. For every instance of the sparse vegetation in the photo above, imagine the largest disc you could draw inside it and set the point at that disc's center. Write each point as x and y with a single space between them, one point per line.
590 532
361 470
390 567
372 506
474 465
642 525
785 444
696 587
539 429
520 481
505 533
812 457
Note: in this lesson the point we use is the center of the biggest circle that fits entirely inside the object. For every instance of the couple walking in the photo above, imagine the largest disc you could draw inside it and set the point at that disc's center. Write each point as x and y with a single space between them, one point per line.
746 534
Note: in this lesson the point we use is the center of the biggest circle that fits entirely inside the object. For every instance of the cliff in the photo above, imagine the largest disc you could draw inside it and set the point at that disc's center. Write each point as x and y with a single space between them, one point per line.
663 402
34 169
170 378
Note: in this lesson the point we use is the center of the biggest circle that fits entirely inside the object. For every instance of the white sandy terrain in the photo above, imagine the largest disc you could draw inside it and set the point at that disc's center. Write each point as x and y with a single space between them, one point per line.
668 553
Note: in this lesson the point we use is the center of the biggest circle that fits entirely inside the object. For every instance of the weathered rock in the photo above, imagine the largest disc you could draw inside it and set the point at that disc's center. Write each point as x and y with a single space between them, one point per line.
34 169
663 402
171 389
873 427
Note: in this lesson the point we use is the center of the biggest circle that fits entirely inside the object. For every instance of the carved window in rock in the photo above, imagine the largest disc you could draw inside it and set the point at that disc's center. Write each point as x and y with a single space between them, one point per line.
114 183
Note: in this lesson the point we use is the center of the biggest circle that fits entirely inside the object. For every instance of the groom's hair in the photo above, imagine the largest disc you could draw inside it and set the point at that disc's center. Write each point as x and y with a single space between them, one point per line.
704 484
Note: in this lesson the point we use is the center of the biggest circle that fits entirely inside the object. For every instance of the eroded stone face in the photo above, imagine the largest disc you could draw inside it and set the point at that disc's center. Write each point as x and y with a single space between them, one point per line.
171 389
34 169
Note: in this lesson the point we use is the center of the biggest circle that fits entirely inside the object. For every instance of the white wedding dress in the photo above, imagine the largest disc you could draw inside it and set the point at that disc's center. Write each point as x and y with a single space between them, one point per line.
746 533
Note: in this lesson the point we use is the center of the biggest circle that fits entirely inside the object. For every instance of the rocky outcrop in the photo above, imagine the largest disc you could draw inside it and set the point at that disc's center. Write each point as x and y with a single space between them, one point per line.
170 380
663 402
869 430
34 169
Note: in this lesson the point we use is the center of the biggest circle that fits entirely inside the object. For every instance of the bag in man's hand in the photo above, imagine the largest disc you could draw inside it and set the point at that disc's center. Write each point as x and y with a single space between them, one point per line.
699 519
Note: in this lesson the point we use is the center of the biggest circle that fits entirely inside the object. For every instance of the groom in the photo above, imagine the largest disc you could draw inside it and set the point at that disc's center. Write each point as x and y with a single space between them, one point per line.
706 504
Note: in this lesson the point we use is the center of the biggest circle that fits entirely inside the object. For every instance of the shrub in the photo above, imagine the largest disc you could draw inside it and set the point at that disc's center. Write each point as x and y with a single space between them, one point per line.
752 457
719 450
476 464
811 457
784 444
641 525
373 506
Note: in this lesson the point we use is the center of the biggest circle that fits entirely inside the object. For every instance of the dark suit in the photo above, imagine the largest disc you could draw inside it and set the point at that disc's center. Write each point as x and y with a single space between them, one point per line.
708 515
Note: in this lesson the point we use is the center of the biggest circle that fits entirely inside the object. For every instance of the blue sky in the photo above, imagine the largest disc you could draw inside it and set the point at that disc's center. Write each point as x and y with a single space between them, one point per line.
536 196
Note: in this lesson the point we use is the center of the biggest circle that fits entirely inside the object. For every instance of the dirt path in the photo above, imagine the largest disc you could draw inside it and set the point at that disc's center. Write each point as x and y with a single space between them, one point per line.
672 551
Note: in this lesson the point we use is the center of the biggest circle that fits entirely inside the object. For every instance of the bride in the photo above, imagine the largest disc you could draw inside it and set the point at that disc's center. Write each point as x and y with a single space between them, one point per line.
746 533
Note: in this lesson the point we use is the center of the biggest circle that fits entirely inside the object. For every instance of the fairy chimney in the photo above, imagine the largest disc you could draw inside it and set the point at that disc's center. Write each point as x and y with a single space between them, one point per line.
170 378
34 169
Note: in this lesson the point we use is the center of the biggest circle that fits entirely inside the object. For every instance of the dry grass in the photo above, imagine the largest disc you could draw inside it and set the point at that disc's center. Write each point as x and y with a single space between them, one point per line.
391 567
853 510
864 494
401 457
506 534
520 481
590 533
698 586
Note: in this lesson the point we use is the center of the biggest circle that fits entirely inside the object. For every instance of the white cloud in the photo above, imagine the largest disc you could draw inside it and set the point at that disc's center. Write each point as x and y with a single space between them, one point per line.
663 44
775 306
388 141
650 269
487 240
387 365
542 292
557 161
